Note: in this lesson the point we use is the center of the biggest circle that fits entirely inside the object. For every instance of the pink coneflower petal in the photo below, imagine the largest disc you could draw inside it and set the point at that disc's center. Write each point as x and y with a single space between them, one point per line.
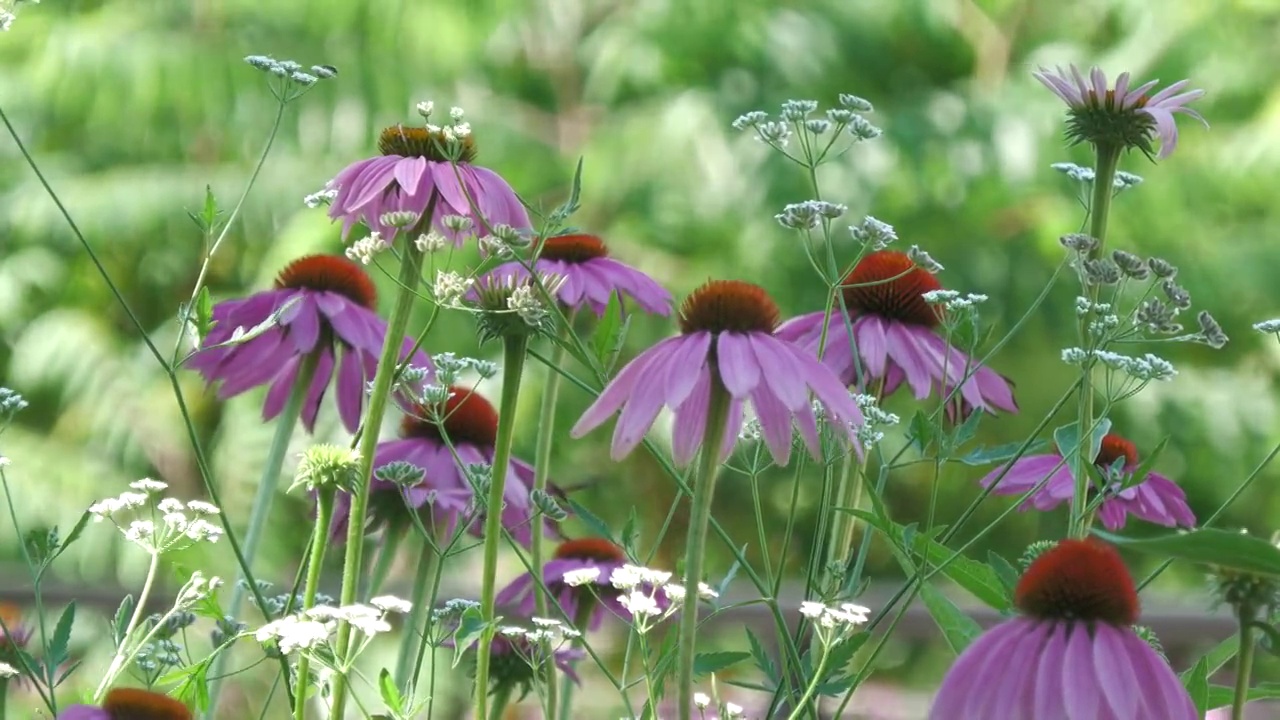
739 370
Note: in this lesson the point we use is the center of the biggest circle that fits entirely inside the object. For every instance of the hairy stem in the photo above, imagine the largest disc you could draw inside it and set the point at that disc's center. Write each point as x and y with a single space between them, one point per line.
696 544
381 395
513 355
418 613
319 539
1244 663
139 609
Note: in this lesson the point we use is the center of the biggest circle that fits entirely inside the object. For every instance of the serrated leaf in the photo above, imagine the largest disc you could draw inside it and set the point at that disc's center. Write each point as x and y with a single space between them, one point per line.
1207 546
603 337
1067 438
966 432
921 432
597 526
762 660
67 671
957 628
999 453
470 627
707 663
1144 468
1197 684
121 620
61 636
75 533
390 693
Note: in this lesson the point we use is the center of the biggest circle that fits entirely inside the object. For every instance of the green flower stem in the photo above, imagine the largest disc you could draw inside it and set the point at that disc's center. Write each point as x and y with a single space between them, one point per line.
396 326
4 695
262 501
501 699
418 613
139 608
696 544
541 467
1104 173
391 539
319 539
1244 663
513 355
818 676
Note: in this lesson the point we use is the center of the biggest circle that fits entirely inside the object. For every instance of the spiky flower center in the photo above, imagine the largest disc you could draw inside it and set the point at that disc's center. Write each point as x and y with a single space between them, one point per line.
467 418
429 143
136 704
1078 580
1115 447
330 273
573 249
593 549
729 306
887 283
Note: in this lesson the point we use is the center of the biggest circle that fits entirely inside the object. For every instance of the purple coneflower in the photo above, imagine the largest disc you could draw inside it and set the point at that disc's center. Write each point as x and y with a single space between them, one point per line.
895 337
594 556
1072 655
1121 117
471 424
331 310
726 337
413 166
1155 498
591 276
129 704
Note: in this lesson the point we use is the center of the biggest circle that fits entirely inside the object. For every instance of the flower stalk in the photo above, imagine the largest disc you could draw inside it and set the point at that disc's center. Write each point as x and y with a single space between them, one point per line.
1108 158
514 346
1244 660
410 268
420 610
695 544
319 539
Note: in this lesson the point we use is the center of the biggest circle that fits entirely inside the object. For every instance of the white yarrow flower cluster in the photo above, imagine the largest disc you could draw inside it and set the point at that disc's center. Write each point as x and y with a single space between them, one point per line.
6 670
581 576
873 418
641 588
323 197
453 132
313 627
1146 368
833 625
873 234
431 242
1269 327
172 524
953 300
450 287
364 249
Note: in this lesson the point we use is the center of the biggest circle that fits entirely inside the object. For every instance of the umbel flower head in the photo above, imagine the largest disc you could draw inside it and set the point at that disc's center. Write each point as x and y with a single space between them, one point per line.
591 276
1071 655
1155 498
576 577
470 422
129 704
726 338
416 164
1121 117
322 304
895 337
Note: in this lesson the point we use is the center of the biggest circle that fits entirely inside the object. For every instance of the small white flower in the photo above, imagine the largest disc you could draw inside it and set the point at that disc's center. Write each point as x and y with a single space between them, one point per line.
140 531
431 242
391 603
456 114
461 130
450 287
511 631
364 249
524 301
639 604
581 576
425 108
323 612
812 610
625 577
675 593
8 671
654 577
170 505
132 500
324 197
701 701
201 507
706 592
148 485
732 710
1268 326
292 633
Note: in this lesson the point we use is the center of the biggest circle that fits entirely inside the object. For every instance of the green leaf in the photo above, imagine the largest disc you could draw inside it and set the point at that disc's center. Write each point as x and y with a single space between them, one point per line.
597 526
707 663
61 637
957 628
999 453
204 313
1068 439
390 693
470 627
121 621
630 532
1270 640
74 535
733 572
193 682
1216 658
963 434
978 579
1007 573
210 212
1232 550
1197 684
603 338
763 662
1223 696
921 432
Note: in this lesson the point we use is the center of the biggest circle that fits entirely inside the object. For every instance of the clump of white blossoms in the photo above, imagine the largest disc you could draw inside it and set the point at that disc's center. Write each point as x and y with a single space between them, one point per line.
873 418
649 596
834 625
702 701
8 671
545 631
364 249
167 523
312 628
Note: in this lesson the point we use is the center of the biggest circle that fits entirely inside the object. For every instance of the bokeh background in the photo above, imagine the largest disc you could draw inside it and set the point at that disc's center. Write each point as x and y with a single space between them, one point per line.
133 107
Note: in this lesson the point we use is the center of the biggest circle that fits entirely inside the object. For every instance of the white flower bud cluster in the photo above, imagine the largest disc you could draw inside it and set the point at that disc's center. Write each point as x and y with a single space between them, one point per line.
457 128
833 625
1146 368
323 197
581 576
873 418
1270 327
544 631
450 287
6 670
640 587
364 249
431 242
953 300
172 524
873 234
313 627
809 214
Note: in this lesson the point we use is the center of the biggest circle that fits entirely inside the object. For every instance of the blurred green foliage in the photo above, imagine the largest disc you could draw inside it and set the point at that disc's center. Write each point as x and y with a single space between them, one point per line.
131 108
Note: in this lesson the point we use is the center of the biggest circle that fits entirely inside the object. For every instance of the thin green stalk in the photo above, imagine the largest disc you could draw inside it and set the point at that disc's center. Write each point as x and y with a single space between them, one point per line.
263 500
541 469
809 692
50 700
1108 158
513 353
501 698
1244 663
696 546
391 539
139 608
319 540
378 399
4 695
418 614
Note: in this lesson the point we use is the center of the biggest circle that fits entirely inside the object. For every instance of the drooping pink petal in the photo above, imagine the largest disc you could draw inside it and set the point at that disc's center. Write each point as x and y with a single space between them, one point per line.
739 370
